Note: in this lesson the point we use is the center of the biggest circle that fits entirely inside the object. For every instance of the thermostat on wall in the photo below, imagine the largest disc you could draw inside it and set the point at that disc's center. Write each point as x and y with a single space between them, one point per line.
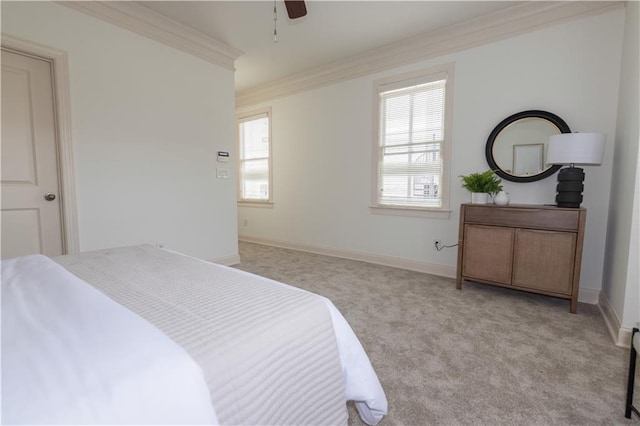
223 156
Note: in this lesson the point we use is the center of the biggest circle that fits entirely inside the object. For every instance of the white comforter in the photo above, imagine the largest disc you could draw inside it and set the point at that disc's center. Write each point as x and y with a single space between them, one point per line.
226 320
60 342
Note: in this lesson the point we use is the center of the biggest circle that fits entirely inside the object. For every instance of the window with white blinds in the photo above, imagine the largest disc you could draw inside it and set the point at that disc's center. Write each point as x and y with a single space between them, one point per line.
412 136
255 157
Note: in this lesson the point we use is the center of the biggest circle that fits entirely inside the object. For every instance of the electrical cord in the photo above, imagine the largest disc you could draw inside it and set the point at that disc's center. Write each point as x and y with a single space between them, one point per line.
440 246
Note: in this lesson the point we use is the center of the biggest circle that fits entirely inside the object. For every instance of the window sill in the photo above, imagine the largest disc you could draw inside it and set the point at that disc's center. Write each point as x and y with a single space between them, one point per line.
260 204
411 212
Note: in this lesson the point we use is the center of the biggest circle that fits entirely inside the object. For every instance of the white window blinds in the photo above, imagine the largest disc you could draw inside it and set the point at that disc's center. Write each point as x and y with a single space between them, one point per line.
411 140
254 174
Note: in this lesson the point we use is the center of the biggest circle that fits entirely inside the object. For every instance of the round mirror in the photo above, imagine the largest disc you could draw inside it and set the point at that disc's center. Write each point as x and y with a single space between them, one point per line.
517 147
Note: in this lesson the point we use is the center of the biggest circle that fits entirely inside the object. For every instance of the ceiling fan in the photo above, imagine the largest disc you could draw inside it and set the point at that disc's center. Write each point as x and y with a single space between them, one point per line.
295 8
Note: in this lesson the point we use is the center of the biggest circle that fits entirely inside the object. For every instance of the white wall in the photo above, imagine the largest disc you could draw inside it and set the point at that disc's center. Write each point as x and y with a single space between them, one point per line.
147 122
622 278
322 141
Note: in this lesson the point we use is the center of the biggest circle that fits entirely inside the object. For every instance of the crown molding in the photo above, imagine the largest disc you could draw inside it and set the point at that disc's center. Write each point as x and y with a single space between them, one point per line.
509 22
144 21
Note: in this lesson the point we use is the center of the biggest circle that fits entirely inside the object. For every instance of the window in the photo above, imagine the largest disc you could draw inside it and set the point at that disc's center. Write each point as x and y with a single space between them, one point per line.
254 136
413 141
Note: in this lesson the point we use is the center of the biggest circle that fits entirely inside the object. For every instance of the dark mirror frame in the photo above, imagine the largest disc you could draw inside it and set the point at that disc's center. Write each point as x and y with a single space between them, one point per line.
554 119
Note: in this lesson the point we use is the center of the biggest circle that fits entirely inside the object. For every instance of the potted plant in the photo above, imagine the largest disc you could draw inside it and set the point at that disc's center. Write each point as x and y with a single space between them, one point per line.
481 185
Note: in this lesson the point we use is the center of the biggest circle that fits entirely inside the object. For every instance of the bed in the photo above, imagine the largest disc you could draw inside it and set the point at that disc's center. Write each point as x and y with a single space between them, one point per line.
142 335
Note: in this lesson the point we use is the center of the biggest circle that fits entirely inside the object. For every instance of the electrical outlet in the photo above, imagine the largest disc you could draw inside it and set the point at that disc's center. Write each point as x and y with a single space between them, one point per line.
222 173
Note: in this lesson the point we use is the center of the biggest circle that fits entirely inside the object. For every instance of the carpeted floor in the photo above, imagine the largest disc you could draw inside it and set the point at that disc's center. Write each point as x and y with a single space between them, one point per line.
483 355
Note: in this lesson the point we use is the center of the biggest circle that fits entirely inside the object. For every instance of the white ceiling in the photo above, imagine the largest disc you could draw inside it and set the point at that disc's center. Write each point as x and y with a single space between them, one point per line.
331 31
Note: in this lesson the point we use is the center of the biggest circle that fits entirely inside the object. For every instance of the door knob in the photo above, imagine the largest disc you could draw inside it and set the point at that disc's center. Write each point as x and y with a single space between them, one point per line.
49 197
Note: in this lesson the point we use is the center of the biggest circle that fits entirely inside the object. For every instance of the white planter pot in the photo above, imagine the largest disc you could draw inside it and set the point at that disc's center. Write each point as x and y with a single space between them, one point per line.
479 198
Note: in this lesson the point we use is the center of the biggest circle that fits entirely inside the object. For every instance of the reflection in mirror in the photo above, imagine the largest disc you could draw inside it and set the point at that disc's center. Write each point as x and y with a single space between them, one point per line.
521 141
517 146
527 159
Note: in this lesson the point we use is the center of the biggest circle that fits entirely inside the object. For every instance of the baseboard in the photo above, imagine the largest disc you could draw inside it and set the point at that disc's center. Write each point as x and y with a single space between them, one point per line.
588 295
227 260
395 262
620 335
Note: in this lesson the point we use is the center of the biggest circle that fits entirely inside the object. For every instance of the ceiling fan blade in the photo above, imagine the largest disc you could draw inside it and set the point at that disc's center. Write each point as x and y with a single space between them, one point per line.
295 8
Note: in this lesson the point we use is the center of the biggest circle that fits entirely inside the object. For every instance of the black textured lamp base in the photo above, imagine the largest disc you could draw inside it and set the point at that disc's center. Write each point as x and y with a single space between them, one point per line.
570 186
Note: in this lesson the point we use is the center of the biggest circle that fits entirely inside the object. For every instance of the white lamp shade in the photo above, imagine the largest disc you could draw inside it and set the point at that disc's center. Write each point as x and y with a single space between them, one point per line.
576 148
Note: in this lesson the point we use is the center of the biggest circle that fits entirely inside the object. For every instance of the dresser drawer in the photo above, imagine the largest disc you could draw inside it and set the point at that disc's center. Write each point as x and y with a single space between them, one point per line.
526 217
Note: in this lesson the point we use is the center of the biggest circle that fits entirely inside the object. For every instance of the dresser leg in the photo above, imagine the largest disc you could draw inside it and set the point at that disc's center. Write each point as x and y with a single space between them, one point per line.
574 305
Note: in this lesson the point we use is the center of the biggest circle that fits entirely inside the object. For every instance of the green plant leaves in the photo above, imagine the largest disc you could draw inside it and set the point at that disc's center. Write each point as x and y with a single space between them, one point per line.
482 182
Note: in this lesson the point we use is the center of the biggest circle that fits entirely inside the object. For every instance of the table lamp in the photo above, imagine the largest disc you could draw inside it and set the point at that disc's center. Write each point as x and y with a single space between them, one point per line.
572 149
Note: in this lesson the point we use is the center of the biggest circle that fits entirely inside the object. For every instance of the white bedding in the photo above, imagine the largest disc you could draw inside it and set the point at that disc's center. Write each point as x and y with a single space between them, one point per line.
294 361
60 342
221 317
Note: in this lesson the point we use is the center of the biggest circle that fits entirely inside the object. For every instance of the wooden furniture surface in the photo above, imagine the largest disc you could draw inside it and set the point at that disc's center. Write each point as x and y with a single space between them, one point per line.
526 247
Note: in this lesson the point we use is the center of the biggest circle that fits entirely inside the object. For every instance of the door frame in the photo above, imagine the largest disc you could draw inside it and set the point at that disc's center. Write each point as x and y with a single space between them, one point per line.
62 110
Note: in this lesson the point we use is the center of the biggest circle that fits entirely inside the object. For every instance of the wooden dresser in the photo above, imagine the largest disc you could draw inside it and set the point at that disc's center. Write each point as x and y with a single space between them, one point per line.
526 247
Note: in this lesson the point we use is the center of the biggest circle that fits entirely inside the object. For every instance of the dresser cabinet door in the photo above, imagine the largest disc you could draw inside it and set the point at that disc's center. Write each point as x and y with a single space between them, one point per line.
544 260
487 253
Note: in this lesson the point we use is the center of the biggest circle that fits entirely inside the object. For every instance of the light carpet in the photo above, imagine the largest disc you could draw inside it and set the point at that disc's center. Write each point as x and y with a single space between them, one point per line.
482 355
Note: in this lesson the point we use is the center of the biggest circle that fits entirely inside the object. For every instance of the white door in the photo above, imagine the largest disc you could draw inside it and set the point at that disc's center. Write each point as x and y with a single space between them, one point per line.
31 220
